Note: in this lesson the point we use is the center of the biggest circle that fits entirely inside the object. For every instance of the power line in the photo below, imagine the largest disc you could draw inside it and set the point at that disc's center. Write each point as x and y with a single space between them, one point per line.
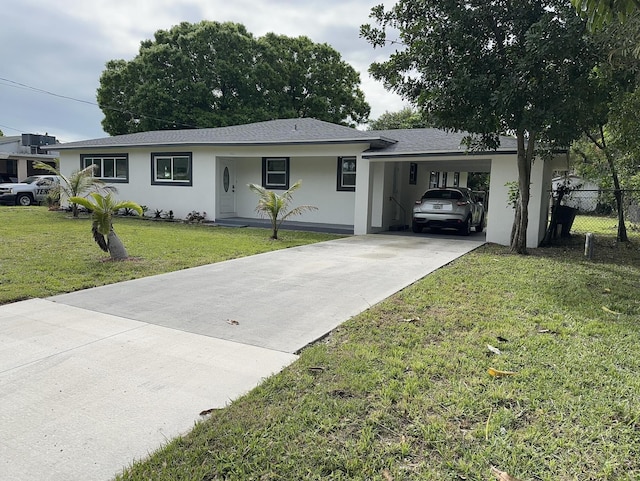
36 89
11 128
13 83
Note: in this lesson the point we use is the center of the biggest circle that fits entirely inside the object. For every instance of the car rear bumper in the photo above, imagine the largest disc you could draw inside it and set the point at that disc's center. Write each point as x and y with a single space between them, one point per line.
435 220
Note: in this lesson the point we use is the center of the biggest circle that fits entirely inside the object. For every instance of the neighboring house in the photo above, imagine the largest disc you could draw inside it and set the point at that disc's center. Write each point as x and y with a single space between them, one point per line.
19 152
363 181
584 194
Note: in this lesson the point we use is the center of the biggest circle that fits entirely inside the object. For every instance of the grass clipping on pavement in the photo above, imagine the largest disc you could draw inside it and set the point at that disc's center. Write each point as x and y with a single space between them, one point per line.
403 391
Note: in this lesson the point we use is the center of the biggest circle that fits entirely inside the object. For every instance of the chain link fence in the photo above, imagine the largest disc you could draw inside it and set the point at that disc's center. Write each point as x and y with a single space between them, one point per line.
596 211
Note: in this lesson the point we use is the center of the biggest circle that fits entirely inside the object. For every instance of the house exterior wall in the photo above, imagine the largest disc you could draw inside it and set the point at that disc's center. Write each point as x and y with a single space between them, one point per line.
500 220
316 166
384 197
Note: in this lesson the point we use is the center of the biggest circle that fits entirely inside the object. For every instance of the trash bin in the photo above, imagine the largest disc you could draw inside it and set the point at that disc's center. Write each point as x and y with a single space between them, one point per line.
564 218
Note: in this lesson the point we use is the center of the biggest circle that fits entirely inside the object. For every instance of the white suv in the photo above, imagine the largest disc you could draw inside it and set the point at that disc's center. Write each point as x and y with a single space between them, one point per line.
448 207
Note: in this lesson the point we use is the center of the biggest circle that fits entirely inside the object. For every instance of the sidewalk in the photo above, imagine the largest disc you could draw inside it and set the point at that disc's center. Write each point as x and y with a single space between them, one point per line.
94 379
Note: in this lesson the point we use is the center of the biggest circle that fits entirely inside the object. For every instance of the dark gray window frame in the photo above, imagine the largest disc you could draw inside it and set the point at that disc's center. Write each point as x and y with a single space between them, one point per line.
340 187
265 173
101 156
413 173
175 183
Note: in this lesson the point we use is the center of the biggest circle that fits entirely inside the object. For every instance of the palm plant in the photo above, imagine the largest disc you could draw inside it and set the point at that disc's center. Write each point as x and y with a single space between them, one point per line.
78 183
103 208
276 207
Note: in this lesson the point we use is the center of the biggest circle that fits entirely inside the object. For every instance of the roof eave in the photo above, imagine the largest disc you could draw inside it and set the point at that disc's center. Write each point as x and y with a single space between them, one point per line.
437 153
260 143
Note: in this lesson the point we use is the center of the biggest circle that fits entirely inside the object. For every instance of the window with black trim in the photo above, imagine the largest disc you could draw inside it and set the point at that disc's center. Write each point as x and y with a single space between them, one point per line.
275 173
456 179
413 173
444 179
346 174
107 167
173 168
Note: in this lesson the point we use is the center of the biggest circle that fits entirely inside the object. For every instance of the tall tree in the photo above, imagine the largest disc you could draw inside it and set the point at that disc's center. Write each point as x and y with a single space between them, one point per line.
406 118
300 78
214 74
601 12
611 127
490 67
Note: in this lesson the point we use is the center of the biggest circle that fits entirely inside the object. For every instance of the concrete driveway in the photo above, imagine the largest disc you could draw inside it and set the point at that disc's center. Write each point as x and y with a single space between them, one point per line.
93 380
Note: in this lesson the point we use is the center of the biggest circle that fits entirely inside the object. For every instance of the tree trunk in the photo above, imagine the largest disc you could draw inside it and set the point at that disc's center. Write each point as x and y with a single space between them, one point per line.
602 145
74 210
617 193
117 250
521 219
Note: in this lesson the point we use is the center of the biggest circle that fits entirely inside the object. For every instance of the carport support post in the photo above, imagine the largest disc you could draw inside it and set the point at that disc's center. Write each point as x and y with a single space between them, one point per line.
362 209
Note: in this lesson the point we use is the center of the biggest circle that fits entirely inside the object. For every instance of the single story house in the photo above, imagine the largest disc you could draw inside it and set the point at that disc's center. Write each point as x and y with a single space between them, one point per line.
18 153
364 181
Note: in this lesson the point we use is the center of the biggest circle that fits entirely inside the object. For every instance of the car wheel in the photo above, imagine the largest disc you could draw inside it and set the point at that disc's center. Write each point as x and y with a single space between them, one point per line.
24 200
466 227
416 228
480 226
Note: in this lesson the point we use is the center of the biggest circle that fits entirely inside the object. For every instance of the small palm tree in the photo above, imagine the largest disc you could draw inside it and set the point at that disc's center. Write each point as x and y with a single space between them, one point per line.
103 208
77 184
276 207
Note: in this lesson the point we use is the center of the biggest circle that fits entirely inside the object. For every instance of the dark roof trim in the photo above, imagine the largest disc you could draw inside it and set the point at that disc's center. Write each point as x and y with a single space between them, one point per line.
378 142
438 154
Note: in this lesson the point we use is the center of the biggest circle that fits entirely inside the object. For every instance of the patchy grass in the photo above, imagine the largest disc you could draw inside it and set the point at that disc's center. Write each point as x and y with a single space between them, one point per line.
45 253
599 225
402 391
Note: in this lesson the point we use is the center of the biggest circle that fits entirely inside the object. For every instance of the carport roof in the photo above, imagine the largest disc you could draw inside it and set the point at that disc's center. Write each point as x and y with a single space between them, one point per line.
426 142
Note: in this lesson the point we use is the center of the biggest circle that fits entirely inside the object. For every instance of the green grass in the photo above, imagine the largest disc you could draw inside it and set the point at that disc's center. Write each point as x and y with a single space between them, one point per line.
402 391
45 253
600 225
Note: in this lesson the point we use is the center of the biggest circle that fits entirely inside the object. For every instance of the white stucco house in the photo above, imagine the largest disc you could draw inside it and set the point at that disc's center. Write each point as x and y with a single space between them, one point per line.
363 181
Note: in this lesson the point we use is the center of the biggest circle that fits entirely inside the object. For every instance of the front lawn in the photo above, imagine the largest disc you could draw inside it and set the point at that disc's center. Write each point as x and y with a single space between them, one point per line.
45 253
403 392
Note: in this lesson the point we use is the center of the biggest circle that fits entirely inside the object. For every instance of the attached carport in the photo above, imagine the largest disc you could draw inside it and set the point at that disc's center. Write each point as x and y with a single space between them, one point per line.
389 182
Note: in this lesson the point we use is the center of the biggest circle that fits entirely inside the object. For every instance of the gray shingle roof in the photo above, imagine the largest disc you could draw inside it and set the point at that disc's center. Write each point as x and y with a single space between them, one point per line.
429 141
281 131
291 132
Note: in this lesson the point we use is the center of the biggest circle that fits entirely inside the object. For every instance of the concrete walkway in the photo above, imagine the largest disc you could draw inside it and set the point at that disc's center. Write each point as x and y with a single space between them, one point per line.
93 380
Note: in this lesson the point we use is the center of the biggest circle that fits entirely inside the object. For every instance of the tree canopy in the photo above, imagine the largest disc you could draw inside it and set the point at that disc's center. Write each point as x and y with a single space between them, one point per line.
213 74
488 68
601 12
407 118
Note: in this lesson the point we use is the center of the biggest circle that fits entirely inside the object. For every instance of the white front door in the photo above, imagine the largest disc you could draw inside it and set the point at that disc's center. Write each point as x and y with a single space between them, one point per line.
227 188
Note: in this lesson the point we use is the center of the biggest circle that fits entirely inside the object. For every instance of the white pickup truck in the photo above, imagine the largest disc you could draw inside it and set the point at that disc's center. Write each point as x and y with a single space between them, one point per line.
32 190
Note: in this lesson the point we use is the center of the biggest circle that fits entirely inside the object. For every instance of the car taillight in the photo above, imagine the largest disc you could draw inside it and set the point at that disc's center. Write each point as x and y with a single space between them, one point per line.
418 202
461 203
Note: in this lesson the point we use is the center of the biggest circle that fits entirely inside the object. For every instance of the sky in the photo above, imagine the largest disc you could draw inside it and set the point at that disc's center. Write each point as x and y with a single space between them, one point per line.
54 51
